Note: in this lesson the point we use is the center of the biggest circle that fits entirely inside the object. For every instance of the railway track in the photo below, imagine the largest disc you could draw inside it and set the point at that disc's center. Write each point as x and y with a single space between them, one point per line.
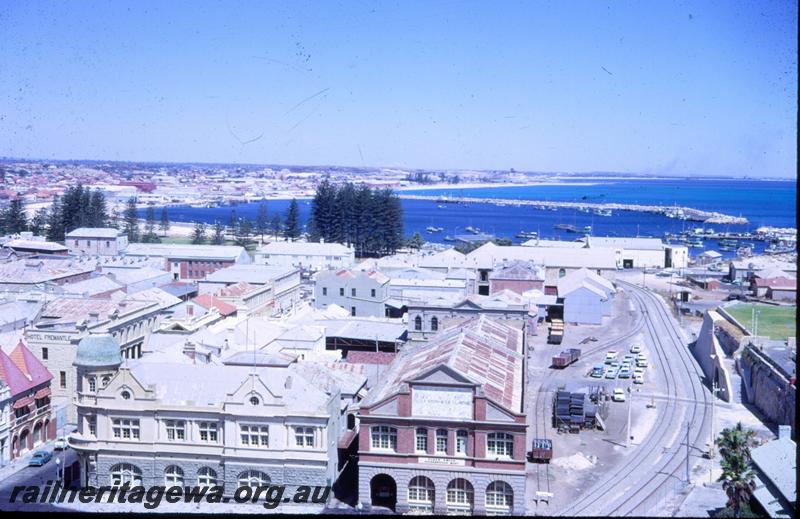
636 481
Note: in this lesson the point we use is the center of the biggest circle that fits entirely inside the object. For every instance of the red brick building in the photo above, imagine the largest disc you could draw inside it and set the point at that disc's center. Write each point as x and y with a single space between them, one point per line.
444 430
28 406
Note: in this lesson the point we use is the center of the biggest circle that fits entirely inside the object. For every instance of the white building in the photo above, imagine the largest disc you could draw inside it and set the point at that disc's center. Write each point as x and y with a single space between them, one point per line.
587 297
305 255
100 241
363 293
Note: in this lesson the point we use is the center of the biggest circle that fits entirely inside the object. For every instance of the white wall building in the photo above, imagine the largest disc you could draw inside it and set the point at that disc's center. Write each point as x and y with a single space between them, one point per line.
305 255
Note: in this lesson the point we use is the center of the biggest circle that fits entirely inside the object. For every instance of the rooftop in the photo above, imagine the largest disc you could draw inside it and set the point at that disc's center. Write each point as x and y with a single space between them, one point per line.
178 251
253 274
305 248
95 232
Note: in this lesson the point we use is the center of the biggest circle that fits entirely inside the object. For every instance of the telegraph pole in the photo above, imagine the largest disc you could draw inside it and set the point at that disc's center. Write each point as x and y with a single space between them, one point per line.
688 479
711 450
628 437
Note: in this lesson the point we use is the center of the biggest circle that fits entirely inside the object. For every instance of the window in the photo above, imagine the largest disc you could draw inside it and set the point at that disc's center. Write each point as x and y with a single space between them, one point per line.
422 440
253 479
88 242
125 473
173 476
500 445
341 292
106 380
418 323
126 395
384 437
76 243
125 429
255 435
208 432
441 441
92 384
45 354
176 430
304 436
372 292
62 375
91 423
434 324
353 292
324 291
206 477
562 273
353 311
460 496
461 442
421 493
499 498
108 243
484 275
254 400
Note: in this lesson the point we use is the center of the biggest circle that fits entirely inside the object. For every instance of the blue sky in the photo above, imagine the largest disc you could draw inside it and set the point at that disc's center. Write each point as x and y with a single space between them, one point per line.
683 88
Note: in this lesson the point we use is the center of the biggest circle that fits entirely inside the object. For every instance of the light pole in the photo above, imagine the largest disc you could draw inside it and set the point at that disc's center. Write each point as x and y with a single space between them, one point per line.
688 479
628 437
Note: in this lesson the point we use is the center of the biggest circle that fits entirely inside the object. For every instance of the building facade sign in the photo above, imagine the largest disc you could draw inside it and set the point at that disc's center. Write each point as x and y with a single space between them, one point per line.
441 461
442 402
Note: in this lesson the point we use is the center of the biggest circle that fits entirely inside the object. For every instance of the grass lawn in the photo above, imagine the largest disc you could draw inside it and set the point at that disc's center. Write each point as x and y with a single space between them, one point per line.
777 322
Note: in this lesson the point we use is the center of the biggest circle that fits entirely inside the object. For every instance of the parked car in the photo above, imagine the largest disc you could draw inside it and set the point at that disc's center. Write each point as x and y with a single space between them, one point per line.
612 373
638 371
636 348
61 443
624 372
598 371
619 395
39 458
638 378
611 356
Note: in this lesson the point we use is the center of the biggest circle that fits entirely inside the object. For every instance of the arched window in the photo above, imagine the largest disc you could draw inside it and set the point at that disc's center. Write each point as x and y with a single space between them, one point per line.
125 473
92 384
562 273
37 434
126 395
106 380
434 324
499 498
421 493
421 443
418 323
460 496
500 445
173 476
206 477
254 400
253 479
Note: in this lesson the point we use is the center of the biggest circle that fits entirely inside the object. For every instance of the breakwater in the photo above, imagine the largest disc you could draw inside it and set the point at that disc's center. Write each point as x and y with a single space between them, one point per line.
688 213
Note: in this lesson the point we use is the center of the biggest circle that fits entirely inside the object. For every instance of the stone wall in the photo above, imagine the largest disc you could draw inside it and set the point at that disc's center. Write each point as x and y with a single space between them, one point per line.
769 390
707 344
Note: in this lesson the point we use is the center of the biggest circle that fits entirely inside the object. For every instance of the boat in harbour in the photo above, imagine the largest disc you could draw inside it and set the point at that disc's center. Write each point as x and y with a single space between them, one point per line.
587 229
530 235
602 212
473 230
565 227
433 229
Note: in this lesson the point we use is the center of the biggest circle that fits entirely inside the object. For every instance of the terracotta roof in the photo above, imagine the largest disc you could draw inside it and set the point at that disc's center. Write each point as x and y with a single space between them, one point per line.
236 290
208 301
370 357
21 370
779 282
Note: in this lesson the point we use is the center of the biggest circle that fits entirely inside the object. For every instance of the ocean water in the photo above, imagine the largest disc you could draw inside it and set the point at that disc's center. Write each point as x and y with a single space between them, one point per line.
770 203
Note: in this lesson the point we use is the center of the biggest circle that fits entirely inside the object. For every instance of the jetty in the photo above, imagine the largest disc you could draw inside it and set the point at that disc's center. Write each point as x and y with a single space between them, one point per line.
695 215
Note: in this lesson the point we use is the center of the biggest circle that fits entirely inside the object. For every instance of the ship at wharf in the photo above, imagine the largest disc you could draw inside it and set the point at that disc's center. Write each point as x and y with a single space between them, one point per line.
696 215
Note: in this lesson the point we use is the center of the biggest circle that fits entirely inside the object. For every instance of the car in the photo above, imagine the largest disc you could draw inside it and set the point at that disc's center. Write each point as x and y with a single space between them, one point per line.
638 378
611 356
641 363
39 458
638 370
618 395
61 443
598 371
624 373
664 273
612 373
628 358
636 348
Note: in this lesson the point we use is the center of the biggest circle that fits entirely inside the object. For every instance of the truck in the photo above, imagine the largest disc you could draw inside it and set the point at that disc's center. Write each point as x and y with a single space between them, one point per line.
541 450
566 357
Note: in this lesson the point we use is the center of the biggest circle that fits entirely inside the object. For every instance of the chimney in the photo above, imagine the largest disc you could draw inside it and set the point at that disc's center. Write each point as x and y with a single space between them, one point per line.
784 431
189 349
225 345
190 310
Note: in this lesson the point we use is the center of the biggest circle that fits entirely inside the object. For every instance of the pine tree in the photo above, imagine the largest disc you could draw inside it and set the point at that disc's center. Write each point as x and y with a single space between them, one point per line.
150 235
292 226
243 232
233 222
131 221
323 209
39 222
262 221
98 211
416 241
275 225
14 218
219 233
85 215
55 221
164 225
199 233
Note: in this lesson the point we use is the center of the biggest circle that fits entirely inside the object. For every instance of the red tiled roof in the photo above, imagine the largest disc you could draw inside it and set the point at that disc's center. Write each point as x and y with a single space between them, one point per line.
12 376
30 365
208 301
779 282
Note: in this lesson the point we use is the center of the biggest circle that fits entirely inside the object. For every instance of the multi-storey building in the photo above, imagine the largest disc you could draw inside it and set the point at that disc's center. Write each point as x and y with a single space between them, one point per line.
250 423
191 261
96 241
25 410
444 428
305 255
362 293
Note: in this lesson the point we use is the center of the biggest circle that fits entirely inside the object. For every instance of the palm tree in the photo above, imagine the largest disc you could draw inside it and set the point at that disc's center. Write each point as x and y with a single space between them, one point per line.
738 477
